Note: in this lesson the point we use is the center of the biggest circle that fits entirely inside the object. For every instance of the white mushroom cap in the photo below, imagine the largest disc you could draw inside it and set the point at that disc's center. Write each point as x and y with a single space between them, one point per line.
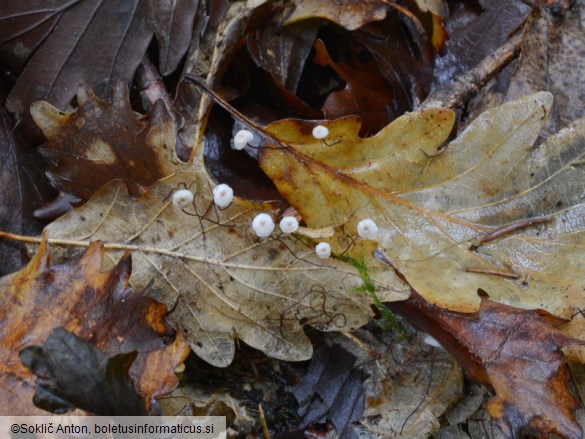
182 198
263 225
242 138
289 224
367 229
223 195
320 132
323 250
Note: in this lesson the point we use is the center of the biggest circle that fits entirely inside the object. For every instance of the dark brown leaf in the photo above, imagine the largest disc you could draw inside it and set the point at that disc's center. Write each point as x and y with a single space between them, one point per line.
516 353
73 374
173 27
332 389
283 50
553 59
97 43
99 307
101 142
367 93
24 189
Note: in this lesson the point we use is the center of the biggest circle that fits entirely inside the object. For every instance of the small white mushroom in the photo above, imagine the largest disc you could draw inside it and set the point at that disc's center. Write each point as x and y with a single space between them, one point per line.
263 225
367 229
223 195
242 138
323 250
183 198
289 224
320 132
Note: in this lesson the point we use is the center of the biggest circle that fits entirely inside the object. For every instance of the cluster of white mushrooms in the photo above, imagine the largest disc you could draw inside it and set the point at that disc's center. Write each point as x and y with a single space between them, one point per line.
263 224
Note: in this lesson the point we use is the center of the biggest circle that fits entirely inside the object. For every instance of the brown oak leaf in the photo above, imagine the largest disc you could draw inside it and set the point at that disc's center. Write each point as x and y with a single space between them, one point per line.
516 353
101 142
100 307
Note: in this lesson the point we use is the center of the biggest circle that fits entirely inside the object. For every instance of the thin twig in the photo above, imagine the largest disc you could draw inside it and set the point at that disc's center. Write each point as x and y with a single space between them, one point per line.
263 422
457 93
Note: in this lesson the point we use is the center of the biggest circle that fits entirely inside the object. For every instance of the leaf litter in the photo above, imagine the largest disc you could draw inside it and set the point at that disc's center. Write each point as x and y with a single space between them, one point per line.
516 227
222 281
99 307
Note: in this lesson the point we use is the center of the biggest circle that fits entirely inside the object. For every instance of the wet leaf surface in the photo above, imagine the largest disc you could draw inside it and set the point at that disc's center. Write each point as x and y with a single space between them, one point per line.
476 33
516 354
351 14
66 55
99 307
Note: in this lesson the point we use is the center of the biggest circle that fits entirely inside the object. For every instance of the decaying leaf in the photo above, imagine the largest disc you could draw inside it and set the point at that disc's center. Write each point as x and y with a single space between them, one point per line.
489 212
474 36
409 388
73 374
20 170
55 41
99 307
522 363
222 281
366 94
332 389
351 14
552 60
101 142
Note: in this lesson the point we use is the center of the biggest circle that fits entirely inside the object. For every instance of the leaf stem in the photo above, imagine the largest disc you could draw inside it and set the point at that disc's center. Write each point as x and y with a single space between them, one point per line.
157 250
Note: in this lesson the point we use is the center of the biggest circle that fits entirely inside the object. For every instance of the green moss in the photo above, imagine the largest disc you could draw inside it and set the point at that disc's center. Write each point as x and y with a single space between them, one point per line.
390 321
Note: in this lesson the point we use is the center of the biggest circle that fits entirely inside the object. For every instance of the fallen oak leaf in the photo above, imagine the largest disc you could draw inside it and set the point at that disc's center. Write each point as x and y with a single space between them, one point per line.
102 141
99 307
219 278
489 212
516 353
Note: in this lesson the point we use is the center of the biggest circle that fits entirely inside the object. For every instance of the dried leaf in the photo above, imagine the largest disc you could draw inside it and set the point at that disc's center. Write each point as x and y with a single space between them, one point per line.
101 142
173 28
73 374
409 388
514 352
283 50
67 55
489 212
553 60
99 307
351 14
222 281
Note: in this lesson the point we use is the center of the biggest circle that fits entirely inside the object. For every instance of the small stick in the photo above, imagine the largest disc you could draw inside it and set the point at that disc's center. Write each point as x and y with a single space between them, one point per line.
505 230
460 90
506 274
263 422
